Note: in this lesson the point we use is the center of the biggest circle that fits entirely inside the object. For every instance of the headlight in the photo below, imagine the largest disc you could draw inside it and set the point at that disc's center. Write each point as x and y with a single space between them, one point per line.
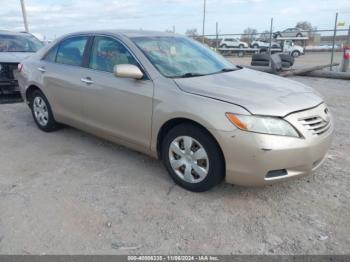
261 124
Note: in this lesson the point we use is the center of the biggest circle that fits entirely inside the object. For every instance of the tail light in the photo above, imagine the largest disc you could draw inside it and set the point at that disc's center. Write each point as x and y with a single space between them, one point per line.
20 67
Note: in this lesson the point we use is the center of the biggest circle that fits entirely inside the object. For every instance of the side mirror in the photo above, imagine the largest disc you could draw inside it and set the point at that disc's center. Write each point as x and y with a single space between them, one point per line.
128 71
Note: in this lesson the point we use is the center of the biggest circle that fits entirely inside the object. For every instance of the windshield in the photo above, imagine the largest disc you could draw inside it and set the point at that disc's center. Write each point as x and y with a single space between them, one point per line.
19 43
176 56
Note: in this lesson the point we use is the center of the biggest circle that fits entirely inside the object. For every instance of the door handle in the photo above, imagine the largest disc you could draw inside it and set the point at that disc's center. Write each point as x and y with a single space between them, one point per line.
87 80
42 69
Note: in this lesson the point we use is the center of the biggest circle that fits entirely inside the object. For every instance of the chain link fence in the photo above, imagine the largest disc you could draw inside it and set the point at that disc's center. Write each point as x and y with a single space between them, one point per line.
310 47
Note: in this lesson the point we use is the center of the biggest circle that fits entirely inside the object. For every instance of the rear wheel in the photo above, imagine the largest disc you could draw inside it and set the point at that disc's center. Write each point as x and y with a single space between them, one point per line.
255 46
241 46
193 158
42 112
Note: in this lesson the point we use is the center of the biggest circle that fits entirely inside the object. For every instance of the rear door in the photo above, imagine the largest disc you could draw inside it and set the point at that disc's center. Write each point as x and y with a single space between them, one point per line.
288 33
61 71
119 107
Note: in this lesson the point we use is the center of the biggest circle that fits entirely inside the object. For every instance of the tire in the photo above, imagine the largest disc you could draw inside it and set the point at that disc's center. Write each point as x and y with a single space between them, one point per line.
212 166
241 46
287 58
286 64
255 46
42 113
295 54
240 53
299 35
224 46
261 57
260 63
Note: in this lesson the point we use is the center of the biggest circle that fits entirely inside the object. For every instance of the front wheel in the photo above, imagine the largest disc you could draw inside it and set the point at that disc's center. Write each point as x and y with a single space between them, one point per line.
295 53
193 158
42 112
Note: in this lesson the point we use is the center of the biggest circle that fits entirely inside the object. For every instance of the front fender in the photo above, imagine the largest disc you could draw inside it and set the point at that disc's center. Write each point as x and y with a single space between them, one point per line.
172 103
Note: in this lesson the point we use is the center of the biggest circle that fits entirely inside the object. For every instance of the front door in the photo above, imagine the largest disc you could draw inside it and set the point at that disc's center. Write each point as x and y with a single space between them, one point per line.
121 107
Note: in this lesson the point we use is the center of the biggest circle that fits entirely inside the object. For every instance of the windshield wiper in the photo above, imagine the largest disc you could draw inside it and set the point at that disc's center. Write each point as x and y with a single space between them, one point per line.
229 69
188 75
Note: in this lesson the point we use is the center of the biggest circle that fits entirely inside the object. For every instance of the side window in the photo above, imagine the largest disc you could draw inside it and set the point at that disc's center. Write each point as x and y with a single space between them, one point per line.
107 52
51 55
71 50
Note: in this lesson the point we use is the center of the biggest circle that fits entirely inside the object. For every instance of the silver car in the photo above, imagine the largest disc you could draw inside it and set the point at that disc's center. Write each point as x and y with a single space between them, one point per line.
14 47
172 98
289 32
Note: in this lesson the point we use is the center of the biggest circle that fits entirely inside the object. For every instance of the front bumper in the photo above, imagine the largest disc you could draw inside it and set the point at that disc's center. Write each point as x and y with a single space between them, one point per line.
250 156
9 88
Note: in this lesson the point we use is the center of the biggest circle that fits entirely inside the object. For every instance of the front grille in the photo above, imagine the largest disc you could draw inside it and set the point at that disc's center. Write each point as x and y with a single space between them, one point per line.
6 72
315 124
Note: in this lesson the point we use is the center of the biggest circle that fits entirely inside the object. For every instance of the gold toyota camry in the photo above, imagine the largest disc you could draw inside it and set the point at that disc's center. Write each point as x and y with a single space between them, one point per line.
173 99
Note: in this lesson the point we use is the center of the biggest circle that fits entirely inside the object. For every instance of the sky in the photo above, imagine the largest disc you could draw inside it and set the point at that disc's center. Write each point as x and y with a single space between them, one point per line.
53 18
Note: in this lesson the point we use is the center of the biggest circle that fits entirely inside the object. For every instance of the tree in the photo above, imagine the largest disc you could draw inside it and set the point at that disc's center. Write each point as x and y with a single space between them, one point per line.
192 32
265 35
249 34
306 26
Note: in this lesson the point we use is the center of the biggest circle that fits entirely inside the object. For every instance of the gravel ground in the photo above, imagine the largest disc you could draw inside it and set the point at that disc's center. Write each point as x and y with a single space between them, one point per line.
69 192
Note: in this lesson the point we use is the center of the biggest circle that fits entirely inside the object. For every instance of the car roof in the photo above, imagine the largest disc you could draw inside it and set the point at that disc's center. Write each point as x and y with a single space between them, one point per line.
7 32
127 33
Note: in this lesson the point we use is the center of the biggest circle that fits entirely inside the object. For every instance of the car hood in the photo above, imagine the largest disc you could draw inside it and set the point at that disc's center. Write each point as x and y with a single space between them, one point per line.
259 93
13 57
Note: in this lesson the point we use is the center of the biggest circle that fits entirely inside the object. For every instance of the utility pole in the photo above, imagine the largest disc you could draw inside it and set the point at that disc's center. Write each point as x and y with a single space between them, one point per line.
24 13
270 45
217 36
334 35
204 10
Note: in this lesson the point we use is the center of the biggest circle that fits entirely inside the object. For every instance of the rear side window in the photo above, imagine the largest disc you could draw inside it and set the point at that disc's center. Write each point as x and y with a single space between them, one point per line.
71 51
51 55
108 52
